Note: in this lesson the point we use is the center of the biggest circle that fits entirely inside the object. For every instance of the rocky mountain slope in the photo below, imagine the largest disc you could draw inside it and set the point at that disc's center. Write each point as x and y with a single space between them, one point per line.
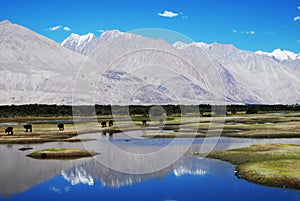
124 68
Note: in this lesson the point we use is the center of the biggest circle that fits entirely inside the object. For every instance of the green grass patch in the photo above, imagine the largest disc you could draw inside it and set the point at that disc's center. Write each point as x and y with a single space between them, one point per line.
279 173
271 125
267 164
62 153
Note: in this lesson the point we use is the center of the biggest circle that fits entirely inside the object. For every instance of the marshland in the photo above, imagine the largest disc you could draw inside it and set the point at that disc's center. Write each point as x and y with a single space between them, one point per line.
261 148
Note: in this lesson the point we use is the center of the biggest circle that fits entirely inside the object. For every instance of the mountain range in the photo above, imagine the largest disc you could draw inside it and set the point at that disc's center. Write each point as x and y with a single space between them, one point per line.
125 68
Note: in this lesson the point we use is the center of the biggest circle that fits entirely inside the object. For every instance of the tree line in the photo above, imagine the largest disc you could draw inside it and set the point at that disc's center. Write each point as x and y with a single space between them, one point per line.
41 110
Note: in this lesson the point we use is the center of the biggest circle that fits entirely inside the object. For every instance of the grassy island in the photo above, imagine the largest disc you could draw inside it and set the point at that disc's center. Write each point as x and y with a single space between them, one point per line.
275 165
62 153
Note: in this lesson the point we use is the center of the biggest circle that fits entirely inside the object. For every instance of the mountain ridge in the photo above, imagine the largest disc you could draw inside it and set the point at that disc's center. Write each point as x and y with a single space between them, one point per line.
125 68
280 55
277 54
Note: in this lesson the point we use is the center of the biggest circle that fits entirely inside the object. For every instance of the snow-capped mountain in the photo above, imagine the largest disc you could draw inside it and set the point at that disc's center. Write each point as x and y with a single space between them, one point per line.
250 77
125 68
86 44
79 43
280 55
35 69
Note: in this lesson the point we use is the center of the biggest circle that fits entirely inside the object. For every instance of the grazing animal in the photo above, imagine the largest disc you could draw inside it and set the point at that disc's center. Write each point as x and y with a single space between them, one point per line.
103 124
28 127
110 123
9 130
61 126
144 122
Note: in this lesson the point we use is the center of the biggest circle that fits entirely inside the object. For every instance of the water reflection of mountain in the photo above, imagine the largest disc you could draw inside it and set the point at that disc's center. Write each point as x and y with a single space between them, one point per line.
91 171
181 170
107 176
19 173
78 175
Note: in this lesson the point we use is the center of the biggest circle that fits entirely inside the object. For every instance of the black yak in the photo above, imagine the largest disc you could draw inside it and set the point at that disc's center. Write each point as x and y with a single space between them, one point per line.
28 127
9 130
61 126
103 124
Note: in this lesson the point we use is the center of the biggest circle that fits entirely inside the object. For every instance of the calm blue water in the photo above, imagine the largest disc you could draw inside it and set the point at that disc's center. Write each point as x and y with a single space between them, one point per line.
211 186
190 178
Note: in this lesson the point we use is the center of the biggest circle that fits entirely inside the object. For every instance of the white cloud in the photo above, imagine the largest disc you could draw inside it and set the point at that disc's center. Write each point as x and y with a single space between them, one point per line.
58 27
298 7
244 32
251 32
101 30
168 14
67 28
55 28
297 18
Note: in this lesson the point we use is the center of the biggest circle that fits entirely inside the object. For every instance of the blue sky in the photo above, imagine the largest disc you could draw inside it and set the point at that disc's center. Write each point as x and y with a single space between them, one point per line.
247 24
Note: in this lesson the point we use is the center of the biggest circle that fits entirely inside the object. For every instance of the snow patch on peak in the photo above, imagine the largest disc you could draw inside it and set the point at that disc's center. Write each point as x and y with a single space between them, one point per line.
280 55
260 52
78 39
181 45
77 42
110 34
283 55
218 46
88 37
201 45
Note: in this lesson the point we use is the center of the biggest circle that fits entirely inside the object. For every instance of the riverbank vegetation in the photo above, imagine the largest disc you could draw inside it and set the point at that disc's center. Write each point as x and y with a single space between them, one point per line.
40 110
275 165
240 125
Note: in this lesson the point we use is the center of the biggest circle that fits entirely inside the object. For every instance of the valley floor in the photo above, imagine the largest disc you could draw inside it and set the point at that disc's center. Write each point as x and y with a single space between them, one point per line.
259 168
241 125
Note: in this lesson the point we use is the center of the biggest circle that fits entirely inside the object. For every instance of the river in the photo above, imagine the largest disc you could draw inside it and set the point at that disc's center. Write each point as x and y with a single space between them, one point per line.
159 169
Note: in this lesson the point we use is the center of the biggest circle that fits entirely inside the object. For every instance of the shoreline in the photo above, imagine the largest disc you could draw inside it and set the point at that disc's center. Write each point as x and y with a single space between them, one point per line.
274 165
